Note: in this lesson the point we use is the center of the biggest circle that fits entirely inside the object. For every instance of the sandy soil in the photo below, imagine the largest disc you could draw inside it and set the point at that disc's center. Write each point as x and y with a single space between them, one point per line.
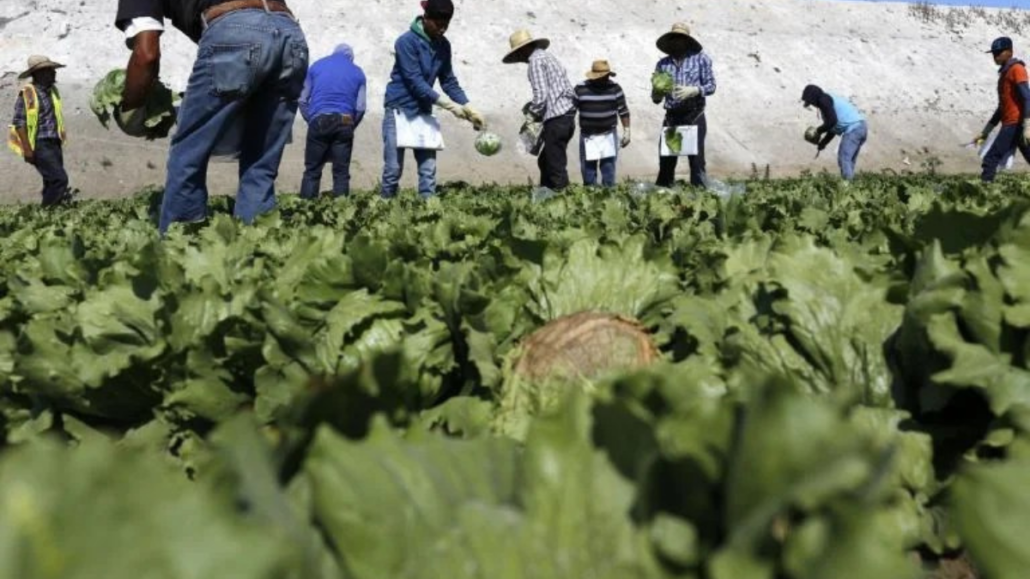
925 88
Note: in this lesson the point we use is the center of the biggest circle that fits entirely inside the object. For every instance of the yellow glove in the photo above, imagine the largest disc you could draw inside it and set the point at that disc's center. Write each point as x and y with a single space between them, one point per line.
683 93
450 106
473 116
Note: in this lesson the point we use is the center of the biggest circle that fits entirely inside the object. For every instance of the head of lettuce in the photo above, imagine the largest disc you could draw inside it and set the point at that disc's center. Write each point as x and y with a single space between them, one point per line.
153 120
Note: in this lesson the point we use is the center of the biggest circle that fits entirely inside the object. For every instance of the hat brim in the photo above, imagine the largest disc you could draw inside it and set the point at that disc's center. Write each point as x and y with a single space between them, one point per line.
514 52
592 75
39 67
665 40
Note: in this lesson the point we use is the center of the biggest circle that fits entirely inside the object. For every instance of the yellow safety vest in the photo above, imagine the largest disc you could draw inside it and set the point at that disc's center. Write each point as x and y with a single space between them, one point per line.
28 93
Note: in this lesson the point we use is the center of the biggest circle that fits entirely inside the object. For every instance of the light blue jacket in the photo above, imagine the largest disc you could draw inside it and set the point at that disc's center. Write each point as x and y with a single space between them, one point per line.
848 116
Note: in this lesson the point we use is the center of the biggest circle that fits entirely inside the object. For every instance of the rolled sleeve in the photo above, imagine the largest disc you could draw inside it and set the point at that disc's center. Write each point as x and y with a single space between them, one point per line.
142 24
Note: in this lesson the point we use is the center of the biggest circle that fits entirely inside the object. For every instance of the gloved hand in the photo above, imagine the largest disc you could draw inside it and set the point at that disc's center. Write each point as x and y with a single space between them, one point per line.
1026 132
979 140
473 116
625 137
131 122
450 106
527 114
681 92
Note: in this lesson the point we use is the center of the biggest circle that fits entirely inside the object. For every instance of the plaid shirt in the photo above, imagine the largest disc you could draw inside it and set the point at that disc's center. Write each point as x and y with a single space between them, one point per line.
694 70
47 119
552 92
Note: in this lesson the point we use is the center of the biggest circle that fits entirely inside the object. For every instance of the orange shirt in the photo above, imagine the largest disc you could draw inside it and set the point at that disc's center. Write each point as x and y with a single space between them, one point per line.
1009 101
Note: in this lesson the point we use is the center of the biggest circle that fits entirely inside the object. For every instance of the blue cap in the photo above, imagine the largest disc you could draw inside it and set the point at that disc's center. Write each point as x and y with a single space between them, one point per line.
1001 45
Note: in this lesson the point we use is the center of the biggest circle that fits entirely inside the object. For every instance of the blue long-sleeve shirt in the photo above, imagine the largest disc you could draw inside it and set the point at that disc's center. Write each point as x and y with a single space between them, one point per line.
419 63
693 70
334 85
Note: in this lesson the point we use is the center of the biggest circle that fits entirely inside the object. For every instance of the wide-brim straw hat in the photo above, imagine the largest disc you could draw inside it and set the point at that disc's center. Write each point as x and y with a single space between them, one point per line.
679 30
600 69
519 40
37 63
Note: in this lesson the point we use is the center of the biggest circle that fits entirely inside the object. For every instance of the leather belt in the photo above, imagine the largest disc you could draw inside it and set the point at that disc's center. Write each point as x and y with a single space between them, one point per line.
345 118
218 10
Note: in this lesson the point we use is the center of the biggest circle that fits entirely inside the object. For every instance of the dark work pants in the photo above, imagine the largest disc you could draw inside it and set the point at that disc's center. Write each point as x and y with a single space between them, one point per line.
667 165
50 164
554 158
329 140
1009 139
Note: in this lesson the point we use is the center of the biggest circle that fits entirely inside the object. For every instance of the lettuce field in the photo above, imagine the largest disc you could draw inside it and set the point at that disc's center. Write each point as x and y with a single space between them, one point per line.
806 381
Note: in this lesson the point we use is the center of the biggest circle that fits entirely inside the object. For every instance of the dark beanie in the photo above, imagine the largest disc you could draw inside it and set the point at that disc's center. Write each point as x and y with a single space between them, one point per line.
438 8
811 94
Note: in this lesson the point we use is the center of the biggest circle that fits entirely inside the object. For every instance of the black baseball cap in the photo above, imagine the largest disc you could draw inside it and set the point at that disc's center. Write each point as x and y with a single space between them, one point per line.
438 8
1000 45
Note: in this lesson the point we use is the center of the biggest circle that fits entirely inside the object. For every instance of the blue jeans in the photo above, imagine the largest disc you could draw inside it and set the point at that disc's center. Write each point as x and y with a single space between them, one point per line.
589 168
50 164
393 162
250 69
330 139
1009 139
850 146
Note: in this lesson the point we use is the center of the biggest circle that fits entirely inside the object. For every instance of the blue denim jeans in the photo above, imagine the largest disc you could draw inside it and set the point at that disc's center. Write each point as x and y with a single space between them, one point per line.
1009 139
250 69
393 162
50 164
330 139
850 146
589 168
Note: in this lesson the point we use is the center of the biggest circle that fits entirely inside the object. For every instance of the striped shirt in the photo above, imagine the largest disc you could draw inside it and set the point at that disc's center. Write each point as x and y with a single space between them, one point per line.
694 70
47 119
552 92
601 104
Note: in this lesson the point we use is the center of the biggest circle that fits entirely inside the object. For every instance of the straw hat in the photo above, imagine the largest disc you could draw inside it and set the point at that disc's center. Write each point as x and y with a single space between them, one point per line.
679 30
600 69
37 63
519 40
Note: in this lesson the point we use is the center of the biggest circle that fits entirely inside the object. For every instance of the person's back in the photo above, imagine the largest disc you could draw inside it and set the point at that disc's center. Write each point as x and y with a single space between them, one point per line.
333 104
335 85
848 115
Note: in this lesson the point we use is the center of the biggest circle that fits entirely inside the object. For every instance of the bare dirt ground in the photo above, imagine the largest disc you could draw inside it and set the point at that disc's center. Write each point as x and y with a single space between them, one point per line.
925 86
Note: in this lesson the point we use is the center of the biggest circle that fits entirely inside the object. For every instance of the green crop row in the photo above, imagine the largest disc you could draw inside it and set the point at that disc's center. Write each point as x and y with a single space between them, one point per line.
843 387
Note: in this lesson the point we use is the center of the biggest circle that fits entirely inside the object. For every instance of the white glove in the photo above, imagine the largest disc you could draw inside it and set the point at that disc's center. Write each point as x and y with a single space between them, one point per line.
131 122
682 93
625 137
473 116
450 106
